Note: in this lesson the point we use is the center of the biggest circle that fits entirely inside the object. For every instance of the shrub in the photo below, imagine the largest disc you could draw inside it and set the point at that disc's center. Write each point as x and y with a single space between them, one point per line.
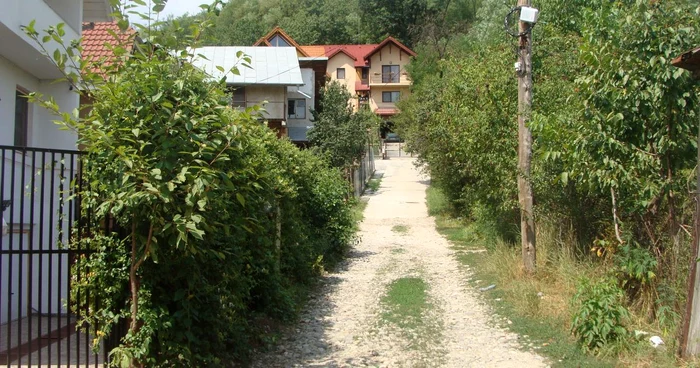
219 221
599 314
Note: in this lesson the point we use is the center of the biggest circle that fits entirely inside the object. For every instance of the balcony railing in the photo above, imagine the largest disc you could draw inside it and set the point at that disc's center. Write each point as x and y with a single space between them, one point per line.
389 78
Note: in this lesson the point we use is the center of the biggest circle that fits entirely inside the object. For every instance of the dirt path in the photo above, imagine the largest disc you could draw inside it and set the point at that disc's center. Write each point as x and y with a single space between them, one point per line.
349 323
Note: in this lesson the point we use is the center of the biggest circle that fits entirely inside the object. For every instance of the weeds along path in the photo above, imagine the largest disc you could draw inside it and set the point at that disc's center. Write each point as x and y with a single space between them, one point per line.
400 300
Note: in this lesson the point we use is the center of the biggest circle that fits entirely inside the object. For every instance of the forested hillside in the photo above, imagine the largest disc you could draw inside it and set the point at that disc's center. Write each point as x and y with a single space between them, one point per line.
335 21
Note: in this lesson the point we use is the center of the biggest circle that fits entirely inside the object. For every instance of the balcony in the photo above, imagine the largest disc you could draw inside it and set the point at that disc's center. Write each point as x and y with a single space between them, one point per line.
19 48
389 79
22 51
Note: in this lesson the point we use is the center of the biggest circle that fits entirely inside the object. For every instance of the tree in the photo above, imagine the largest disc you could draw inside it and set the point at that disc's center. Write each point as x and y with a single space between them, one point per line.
339 133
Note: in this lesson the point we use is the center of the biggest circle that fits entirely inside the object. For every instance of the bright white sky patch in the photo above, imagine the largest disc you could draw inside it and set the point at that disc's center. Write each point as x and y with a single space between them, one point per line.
175 8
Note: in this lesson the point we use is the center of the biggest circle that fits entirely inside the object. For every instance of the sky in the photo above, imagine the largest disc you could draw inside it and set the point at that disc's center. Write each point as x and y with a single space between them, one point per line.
179 7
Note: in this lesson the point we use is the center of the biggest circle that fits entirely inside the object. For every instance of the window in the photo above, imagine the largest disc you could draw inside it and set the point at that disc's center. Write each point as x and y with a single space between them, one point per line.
365 73
340 73
390 73
296 109
238 97
391 96
279 41
21 119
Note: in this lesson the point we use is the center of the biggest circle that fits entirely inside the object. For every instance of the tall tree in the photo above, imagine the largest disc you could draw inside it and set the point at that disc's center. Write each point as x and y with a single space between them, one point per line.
396 18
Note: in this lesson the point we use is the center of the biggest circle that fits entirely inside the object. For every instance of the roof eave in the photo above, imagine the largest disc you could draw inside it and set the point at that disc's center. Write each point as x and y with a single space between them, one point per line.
385 42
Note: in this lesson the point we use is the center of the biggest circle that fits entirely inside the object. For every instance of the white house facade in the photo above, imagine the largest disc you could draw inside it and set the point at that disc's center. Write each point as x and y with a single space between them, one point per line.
24 170
265 82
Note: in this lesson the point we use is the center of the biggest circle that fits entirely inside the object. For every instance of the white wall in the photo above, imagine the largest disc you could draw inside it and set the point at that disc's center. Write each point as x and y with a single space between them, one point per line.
70 10
307 75
43 132
275 98
17 13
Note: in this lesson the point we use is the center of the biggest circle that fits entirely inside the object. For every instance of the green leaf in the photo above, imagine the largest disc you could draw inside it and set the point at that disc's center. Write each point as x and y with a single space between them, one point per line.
240 199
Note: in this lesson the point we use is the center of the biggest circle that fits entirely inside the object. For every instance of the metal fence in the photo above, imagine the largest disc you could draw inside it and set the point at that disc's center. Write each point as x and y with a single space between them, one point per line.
39 215
363 173
395 149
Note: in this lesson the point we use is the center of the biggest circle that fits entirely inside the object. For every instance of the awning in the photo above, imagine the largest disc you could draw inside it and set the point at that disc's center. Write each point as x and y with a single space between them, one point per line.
361 87
298 94
386 111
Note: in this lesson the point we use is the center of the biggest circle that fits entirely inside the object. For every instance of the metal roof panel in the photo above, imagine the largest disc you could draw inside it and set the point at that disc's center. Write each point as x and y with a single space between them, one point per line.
268 65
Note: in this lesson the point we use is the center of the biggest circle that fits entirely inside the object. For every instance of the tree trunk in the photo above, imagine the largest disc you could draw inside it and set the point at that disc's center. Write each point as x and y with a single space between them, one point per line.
690 337
135 284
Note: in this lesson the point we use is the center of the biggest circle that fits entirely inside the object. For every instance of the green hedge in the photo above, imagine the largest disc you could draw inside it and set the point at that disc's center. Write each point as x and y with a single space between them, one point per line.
198 190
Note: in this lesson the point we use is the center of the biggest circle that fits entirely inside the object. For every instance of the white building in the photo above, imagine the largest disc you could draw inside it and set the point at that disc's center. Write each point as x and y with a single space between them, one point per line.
24 69
33 179
273 72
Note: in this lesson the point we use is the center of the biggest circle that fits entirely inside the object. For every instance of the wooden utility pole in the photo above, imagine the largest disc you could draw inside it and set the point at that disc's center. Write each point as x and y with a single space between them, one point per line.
527 221
690 331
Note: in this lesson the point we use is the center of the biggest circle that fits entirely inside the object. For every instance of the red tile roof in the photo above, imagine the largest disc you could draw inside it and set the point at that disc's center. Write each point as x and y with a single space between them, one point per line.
97 36
314 50
359 53
356 52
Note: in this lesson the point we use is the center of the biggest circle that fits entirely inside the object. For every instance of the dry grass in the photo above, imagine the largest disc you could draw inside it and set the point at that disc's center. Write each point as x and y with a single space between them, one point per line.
546 318
547 294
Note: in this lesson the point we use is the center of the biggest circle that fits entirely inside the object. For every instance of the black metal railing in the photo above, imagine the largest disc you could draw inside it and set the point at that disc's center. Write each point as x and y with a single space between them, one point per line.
37 327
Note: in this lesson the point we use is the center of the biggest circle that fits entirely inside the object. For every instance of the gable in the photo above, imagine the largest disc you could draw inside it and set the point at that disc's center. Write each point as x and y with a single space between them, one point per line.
391 42
277 37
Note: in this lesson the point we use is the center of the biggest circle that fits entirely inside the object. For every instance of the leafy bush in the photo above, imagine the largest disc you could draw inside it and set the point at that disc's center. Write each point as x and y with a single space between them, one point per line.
600 314
635 266
218 221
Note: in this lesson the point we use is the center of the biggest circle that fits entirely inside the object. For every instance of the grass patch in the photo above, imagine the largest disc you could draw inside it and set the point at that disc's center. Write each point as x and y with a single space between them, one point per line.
542 322
398 251
374 183
358 210
406 300
401 229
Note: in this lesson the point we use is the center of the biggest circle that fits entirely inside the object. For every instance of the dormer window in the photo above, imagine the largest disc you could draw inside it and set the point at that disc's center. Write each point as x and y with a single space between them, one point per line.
278 41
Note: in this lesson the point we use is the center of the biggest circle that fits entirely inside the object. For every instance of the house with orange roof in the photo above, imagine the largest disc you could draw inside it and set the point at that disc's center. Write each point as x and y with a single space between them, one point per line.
375 74
99 39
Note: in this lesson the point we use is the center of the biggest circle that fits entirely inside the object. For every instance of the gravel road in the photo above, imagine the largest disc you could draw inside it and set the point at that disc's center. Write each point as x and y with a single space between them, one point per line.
342 326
